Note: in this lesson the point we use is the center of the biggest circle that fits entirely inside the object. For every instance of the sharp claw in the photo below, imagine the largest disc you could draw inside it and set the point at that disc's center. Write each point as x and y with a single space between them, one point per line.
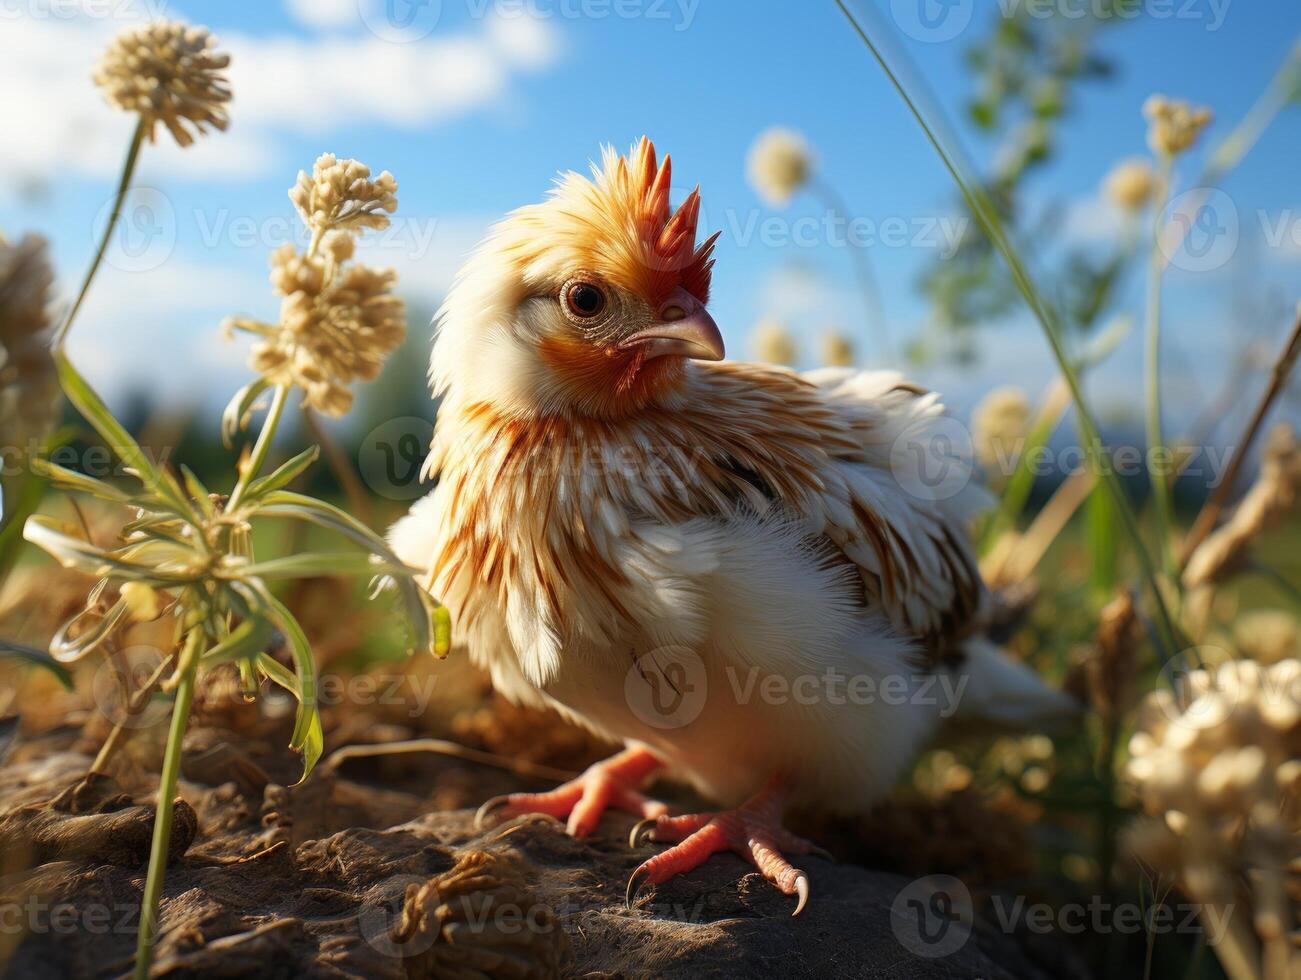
641 832
634 886
802 890
485 811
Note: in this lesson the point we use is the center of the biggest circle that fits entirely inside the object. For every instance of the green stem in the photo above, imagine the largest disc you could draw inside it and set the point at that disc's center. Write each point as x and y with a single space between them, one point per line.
1157 465
984 212
123 186
877 323
165 809
257 459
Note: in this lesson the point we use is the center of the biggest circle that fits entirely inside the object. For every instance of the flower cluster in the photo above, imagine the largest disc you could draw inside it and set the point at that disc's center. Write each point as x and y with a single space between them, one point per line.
341 196
837 350
29 390
169 73
1130 185
772 342
1219 766
998 425
1173 125
779 164
339 319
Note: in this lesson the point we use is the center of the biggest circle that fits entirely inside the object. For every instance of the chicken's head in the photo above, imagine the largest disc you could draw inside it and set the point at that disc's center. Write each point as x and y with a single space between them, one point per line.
589 303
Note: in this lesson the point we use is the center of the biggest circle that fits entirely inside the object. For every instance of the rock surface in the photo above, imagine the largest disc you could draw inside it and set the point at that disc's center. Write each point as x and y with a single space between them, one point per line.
336 878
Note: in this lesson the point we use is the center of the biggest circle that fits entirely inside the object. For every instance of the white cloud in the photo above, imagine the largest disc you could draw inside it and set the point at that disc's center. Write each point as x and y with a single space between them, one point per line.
323 13
55 121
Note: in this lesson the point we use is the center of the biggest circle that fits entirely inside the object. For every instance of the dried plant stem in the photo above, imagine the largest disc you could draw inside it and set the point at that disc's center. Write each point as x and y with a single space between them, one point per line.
877 323
438 746
1162 497
135 705
258 457
1210 513
189 666
1026 553
344 472
986 214
124 185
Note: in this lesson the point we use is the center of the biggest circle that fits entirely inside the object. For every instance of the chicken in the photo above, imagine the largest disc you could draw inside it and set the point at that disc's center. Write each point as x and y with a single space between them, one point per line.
717 564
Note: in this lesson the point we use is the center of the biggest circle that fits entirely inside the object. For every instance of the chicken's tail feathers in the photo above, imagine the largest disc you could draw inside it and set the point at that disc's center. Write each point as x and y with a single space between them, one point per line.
1001 694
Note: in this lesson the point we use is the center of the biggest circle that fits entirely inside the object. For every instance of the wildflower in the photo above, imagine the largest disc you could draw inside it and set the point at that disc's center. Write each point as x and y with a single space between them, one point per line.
333 330
338 318
998 425
772 342
340 195
29 390
1270 500
779 164
1267 635
169 73
837 350
1130 185
1217 767
1174 125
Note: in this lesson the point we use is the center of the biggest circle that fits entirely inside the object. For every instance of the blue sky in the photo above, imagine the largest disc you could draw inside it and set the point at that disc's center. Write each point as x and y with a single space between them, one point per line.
476 108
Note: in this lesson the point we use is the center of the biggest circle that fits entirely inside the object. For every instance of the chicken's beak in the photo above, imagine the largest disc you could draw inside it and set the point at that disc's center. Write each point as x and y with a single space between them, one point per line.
684 327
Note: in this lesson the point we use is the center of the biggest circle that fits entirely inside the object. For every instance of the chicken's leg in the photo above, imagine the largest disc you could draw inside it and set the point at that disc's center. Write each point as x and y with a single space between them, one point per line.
613 782
753 830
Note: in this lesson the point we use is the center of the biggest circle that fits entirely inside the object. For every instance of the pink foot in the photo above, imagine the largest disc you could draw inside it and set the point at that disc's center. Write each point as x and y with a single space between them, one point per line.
753 831
615 782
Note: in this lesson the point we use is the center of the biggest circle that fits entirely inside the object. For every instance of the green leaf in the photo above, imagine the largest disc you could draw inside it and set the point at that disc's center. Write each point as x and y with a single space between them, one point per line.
240 409
307 566
69 651
77 553
37 658
198 492
312 741
74 482
119 441
307 735
284 475
247 640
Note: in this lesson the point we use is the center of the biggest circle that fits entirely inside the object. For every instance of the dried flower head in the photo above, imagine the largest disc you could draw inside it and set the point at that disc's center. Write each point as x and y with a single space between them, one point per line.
341 196
1130 185
1270 500
335 328
445 919
1267 635
169 73
1104 675
837 350
772 342
29 390
779 164
1173 125
998 426
1218 764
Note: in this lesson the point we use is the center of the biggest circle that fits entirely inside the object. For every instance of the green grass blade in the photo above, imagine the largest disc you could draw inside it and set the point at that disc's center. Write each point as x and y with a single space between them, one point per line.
986 214
37 658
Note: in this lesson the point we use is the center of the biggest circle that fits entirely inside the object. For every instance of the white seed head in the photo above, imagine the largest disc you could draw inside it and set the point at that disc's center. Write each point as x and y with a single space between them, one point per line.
779 164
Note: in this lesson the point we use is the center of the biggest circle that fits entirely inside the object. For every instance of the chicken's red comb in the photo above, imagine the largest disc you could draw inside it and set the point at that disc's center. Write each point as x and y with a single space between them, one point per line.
669 256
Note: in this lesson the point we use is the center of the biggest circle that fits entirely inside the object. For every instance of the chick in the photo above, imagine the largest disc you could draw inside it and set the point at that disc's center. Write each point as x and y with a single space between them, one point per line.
714 563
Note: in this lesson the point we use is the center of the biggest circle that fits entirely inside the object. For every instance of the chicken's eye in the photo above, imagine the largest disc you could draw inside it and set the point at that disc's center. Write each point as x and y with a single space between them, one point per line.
582 300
